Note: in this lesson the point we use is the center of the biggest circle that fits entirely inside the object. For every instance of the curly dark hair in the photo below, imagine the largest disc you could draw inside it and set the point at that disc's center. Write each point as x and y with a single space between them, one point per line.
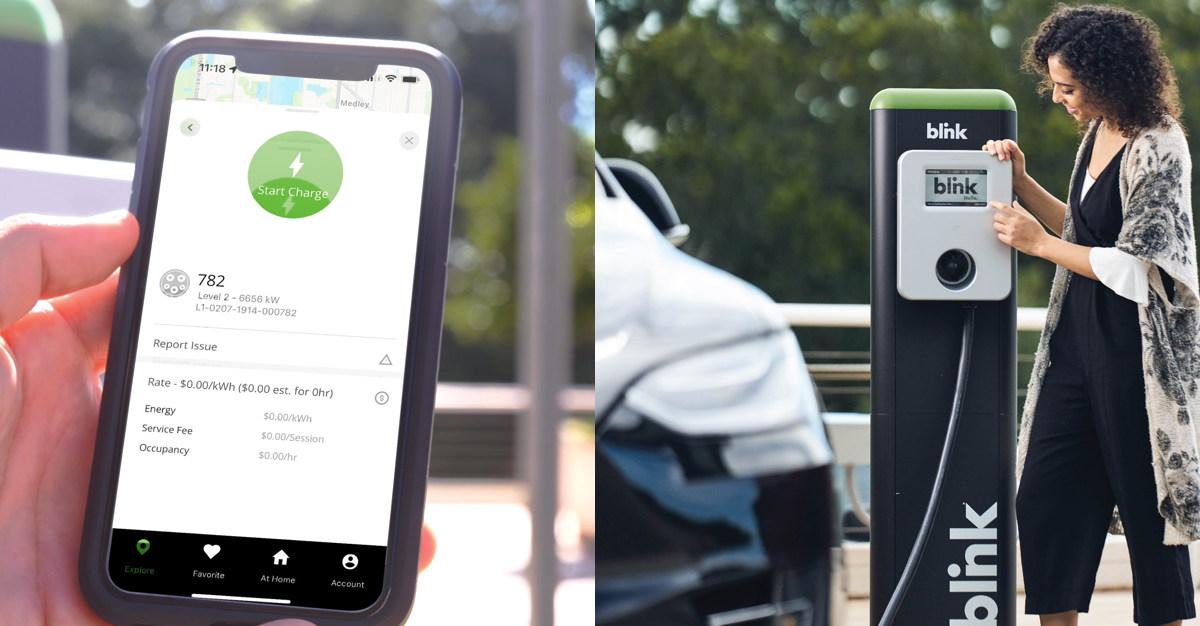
1116 54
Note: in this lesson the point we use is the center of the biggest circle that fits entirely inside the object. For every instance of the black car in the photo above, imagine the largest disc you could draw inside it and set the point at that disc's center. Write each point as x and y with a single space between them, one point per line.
714 474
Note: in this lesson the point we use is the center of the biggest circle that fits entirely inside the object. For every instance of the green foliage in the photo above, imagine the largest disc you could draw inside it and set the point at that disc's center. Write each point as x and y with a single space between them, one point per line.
480 293
753 113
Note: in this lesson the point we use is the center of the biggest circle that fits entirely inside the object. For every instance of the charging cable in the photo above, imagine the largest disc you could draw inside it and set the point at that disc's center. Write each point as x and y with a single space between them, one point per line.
918 550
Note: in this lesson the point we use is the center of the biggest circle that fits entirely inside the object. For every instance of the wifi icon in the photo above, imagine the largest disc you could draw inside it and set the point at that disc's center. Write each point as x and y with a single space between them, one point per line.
391 78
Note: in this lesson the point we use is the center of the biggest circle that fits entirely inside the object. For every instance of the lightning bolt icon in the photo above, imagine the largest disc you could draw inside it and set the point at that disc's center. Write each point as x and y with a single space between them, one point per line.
288 204
296 165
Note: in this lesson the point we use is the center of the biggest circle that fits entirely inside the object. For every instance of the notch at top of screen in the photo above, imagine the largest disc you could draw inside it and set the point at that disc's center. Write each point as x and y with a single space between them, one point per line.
307 65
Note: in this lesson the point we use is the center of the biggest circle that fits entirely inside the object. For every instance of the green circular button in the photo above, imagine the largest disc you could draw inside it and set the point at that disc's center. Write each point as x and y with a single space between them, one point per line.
295 174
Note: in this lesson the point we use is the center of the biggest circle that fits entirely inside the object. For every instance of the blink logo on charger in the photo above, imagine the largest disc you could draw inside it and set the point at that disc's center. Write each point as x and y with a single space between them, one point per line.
955 186
978 575
944 131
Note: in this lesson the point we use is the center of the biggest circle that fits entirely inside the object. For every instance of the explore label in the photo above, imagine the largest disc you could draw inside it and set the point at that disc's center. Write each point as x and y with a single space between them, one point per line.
295 174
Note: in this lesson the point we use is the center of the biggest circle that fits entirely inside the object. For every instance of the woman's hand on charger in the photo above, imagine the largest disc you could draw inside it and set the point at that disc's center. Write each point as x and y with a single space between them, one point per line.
1017 228
1008 150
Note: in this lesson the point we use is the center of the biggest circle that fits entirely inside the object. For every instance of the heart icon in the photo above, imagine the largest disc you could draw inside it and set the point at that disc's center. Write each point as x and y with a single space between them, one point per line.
211 549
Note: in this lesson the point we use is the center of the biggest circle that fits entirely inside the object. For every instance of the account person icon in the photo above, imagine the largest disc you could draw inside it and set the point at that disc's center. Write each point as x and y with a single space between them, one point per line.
350 561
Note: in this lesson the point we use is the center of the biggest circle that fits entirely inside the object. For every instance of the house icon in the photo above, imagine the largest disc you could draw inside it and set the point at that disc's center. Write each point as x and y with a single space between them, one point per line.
281 558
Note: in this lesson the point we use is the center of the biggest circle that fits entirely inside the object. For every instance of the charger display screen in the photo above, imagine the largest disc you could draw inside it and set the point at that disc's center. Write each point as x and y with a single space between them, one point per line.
956 187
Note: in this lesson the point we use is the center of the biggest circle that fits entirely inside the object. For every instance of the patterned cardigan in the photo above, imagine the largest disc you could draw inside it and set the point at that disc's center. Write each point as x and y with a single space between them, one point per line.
1156 204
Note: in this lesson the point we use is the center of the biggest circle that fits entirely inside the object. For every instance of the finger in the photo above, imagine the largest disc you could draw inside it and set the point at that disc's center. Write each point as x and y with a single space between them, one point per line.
45 256
998 205
427 550
89 313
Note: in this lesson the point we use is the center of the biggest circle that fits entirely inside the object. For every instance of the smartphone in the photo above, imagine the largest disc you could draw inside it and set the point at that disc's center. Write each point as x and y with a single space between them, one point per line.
265 425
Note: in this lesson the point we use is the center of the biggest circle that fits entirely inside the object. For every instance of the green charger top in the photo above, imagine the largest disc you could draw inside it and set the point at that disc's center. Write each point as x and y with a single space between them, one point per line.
34 21
940 99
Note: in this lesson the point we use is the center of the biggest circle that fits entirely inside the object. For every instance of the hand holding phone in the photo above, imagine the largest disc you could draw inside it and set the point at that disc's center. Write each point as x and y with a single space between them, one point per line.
264 432
50 357
51 353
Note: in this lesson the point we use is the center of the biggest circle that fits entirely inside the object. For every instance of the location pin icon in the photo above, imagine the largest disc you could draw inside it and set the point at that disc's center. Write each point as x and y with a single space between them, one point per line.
143 546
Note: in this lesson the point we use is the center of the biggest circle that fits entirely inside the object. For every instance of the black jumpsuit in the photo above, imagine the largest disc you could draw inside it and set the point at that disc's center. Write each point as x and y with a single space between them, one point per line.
1090 444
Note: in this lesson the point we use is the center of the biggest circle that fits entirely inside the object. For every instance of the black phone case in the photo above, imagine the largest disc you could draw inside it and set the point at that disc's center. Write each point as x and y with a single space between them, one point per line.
424 334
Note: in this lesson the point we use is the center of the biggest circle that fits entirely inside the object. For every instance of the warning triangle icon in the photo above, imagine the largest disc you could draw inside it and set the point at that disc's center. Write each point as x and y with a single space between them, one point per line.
385 360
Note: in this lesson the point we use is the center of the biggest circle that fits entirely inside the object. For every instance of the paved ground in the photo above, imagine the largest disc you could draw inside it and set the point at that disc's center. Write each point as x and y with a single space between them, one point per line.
477 572
1109 608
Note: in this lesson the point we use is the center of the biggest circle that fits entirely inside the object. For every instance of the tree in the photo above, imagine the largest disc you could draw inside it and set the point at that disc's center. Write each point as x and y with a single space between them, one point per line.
754 113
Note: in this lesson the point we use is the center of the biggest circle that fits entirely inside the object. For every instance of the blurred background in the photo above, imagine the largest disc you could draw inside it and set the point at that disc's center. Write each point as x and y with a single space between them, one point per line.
480 466
753 113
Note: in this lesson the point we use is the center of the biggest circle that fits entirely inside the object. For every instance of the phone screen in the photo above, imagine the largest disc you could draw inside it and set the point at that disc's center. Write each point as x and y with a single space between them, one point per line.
260 443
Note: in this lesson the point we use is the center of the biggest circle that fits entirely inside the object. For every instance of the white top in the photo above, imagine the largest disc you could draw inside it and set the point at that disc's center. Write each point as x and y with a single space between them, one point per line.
1122 272
1088 181
1127 275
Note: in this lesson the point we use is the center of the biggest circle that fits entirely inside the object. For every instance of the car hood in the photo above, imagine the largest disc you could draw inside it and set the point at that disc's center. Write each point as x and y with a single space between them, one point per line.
659 304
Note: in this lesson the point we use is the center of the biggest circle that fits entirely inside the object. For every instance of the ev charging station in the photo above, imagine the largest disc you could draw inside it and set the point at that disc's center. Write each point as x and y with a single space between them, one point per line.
943 361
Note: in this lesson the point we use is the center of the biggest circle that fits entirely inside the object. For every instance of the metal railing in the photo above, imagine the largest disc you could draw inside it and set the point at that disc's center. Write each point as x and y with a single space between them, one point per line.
848 373
506 399
859 316
849 432
844 426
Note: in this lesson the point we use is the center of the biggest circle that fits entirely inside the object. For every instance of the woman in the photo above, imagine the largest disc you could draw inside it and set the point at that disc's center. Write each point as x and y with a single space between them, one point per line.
1118 358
